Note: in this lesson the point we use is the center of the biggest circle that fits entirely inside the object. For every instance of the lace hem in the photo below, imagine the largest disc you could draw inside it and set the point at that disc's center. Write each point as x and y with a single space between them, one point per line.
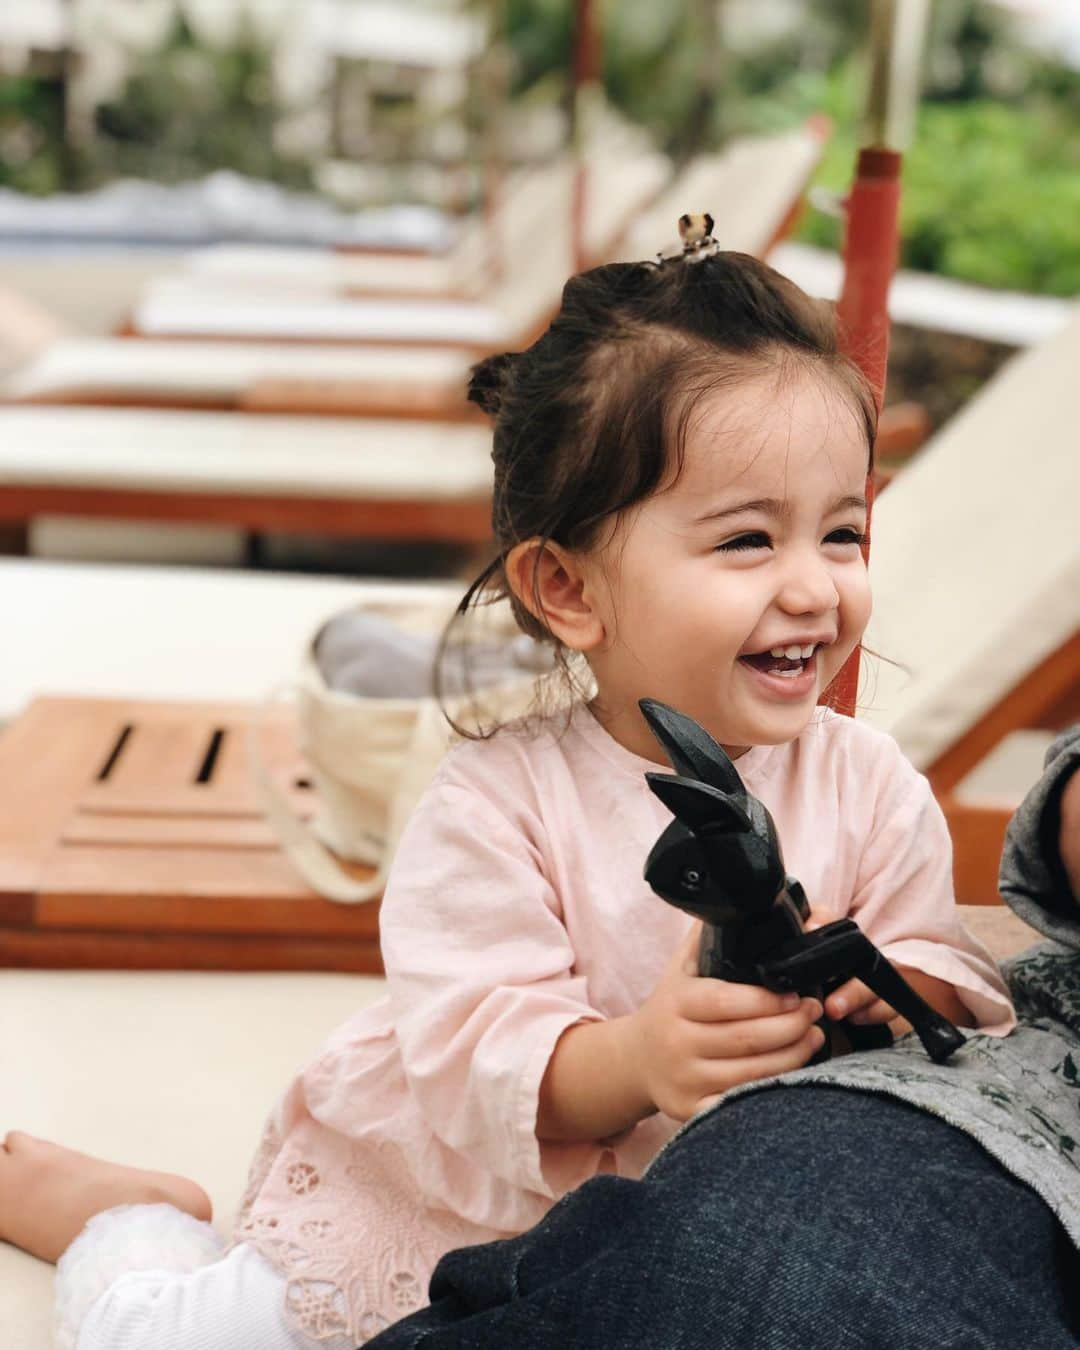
353 1238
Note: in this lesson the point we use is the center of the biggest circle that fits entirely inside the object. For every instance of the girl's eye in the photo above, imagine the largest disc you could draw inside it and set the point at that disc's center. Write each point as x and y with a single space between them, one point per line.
756 540
760 540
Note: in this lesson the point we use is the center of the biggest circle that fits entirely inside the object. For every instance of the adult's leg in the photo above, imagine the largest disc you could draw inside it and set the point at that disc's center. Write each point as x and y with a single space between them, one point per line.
801 1217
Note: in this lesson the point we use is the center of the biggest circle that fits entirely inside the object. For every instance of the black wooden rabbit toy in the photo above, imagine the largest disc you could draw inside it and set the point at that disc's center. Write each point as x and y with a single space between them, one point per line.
720 860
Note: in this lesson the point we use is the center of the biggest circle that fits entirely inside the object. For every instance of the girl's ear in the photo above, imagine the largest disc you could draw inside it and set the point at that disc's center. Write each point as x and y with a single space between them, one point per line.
554 586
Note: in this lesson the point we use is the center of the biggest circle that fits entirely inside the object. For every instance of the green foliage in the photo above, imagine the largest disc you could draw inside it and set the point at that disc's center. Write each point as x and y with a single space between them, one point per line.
32 156
191 107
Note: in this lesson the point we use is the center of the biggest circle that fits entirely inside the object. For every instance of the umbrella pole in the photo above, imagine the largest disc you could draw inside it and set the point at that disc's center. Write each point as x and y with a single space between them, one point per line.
871 241
871 235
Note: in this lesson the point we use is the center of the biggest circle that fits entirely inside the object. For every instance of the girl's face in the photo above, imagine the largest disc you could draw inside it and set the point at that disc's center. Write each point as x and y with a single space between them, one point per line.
755 546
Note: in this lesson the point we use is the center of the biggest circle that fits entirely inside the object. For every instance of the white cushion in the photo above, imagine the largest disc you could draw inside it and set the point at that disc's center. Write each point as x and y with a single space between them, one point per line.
975 554
163 450
165 1070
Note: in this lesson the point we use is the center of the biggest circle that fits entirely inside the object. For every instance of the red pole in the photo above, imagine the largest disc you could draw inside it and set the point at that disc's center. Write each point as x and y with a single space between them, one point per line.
871 243
894 51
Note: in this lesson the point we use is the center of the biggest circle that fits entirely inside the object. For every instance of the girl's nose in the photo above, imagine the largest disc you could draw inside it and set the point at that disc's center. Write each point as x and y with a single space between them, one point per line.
808 587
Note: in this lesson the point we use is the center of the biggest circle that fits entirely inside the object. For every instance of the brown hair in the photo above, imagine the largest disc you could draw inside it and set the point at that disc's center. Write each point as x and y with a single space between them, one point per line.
590 418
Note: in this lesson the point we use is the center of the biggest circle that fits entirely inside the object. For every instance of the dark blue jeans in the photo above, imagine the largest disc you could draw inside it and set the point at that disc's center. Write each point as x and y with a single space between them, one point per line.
791 1219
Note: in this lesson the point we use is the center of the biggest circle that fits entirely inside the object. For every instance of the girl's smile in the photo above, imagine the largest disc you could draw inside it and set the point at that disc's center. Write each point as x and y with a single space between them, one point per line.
776 681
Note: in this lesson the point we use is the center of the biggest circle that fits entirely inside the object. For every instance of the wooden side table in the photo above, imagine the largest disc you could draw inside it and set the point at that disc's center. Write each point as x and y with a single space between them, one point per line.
130 838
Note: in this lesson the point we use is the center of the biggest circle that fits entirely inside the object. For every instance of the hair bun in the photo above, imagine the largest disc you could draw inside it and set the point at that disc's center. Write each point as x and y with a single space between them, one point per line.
488 380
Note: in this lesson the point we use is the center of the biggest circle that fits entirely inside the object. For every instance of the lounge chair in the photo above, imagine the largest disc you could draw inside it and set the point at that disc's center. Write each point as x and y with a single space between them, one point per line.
975 567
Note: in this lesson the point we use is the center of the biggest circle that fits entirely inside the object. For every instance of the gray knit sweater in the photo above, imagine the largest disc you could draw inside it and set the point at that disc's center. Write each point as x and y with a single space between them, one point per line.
1019 1096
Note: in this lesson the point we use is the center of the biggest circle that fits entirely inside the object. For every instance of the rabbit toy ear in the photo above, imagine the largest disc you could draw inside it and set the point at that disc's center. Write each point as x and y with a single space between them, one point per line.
692 751
697 805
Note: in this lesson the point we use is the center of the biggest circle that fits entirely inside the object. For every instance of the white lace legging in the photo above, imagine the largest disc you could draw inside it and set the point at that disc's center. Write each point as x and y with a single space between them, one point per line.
148 1277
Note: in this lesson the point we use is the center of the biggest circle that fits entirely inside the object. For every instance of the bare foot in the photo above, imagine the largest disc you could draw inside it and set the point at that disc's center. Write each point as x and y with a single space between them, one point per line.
47 1193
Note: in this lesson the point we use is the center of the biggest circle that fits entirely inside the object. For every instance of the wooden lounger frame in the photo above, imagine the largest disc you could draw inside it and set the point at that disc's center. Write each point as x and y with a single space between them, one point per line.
466 521
310 397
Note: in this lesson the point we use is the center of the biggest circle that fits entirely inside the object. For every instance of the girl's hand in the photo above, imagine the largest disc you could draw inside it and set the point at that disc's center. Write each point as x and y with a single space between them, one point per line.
853 999
862 1007
696 1037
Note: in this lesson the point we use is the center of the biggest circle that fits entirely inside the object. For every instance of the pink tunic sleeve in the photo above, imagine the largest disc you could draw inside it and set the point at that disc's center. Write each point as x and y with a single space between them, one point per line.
904 896
482 984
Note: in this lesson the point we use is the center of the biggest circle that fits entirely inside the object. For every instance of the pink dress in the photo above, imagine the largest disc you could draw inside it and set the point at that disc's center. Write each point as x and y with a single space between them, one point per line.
516 908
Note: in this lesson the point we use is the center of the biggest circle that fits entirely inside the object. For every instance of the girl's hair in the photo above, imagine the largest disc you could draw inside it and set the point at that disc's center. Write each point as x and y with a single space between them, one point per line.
593 416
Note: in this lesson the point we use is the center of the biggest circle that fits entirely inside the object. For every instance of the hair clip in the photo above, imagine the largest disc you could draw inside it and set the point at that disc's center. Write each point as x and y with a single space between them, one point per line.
696 234
695 231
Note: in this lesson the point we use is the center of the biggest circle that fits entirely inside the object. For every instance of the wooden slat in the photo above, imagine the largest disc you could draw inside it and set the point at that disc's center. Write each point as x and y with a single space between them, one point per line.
74 395
102 830
215 889
185 799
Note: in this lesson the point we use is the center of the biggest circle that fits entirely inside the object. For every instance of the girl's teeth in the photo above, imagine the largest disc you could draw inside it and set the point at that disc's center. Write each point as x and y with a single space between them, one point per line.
793 653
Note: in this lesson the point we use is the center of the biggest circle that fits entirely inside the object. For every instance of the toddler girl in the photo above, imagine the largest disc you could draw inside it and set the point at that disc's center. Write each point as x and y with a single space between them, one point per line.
680 471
